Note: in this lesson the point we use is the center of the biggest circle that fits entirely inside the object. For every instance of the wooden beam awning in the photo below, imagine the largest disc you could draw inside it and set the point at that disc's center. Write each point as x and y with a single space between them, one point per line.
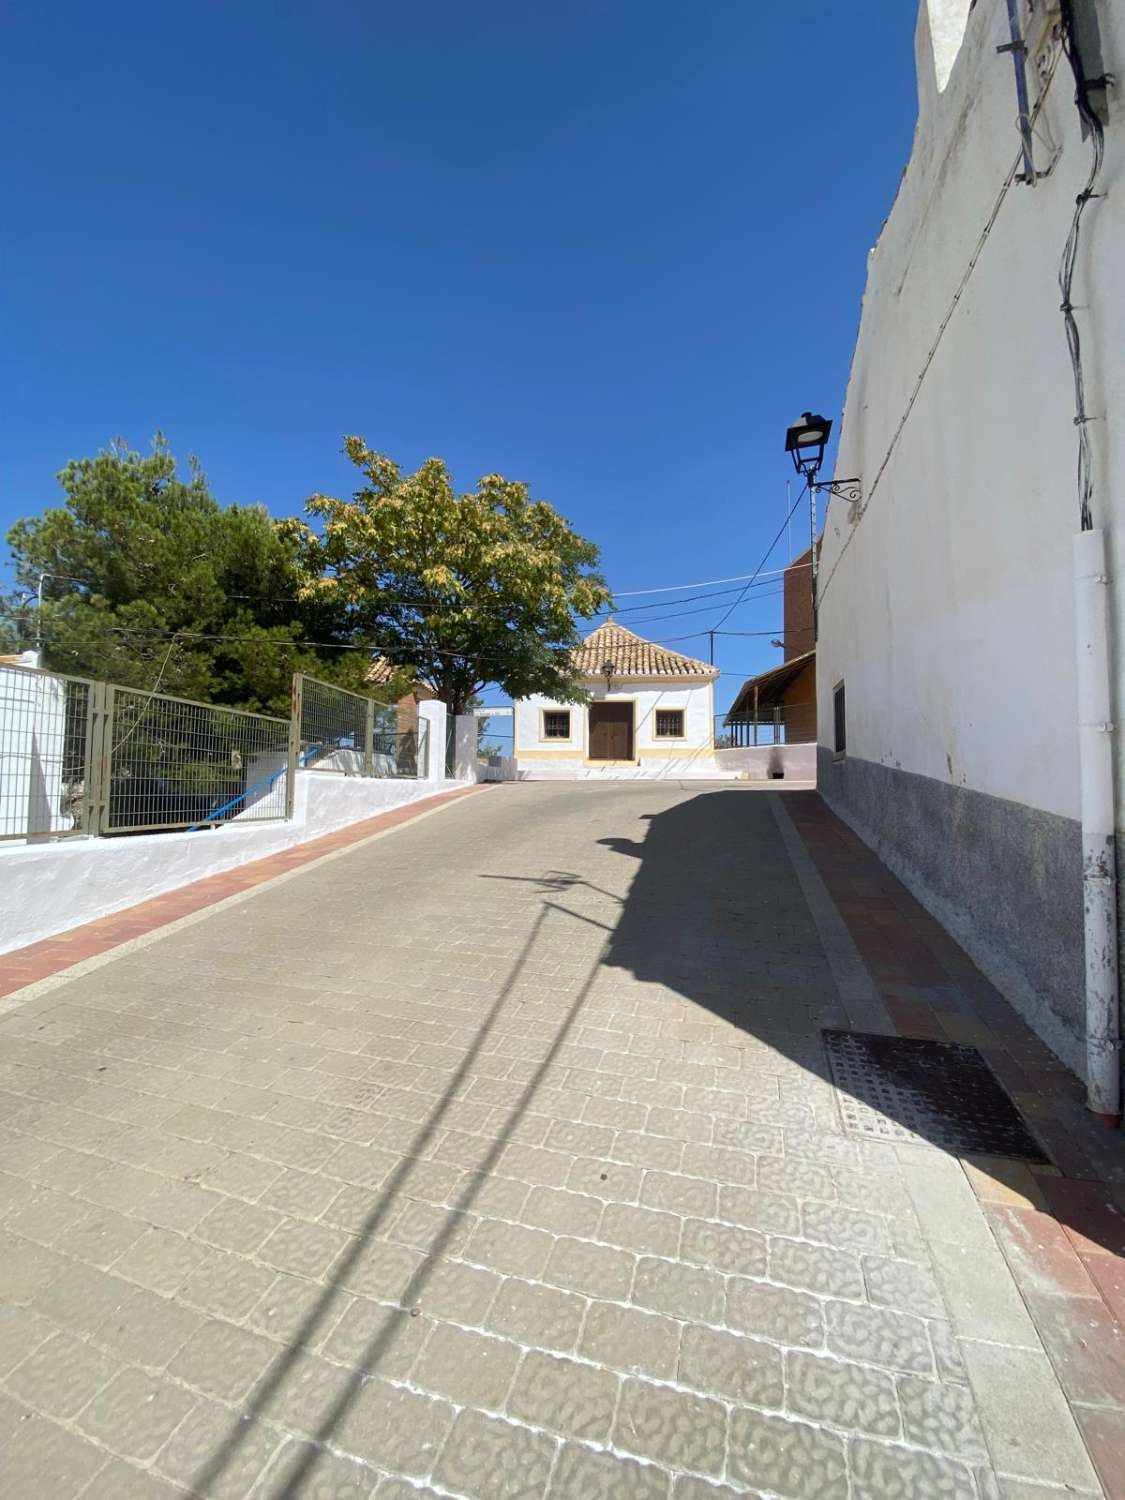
767 688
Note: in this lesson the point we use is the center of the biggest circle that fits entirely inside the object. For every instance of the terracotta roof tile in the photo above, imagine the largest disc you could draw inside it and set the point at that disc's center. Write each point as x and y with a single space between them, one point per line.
380 671
634 657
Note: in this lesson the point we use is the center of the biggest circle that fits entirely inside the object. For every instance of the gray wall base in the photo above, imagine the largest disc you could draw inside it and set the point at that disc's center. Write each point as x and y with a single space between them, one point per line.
1003 879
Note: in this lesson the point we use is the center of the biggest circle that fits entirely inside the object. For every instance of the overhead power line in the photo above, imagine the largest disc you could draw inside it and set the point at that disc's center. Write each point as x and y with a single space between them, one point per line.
707 582
765 558
488 606
186 637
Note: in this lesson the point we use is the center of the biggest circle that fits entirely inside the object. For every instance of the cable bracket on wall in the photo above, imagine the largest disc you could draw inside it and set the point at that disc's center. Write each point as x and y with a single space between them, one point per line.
1017 48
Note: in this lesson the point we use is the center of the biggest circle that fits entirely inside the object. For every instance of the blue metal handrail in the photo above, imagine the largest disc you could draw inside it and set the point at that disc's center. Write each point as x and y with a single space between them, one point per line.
217 812
303 760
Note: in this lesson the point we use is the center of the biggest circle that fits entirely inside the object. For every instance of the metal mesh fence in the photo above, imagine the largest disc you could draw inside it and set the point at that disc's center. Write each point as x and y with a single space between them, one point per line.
82 757
783 724
350 734
400 754
333 727
173 763
44 749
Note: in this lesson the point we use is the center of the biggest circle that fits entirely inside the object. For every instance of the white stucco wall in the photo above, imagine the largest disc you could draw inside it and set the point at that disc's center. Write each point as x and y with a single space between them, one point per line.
433 718
49 888
32 736
695 698
527 726
795 763
950 614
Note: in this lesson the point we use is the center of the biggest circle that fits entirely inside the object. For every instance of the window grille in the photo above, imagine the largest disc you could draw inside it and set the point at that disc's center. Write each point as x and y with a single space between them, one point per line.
839 711
669 723
556 724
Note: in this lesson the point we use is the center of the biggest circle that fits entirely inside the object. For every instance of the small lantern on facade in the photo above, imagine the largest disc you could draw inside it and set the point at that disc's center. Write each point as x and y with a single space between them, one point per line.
608 670
806 441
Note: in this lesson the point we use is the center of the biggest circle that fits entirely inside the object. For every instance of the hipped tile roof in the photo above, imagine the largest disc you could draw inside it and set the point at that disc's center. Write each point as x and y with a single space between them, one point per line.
634 657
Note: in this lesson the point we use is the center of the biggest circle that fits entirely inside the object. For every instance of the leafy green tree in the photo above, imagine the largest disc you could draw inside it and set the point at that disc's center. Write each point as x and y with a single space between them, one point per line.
466 590
151 581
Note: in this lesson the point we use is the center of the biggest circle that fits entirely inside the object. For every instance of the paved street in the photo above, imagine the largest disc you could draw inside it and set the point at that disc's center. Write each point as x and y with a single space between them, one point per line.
496 1158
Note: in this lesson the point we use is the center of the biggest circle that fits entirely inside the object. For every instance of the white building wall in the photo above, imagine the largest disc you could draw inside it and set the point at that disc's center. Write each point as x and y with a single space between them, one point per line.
693 697
946 601
527 718
32 743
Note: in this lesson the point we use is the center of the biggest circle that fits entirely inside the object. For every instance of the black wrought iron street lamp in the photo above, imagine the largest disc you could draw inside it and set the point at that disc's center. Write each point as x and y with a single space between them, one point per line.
805 442
608 670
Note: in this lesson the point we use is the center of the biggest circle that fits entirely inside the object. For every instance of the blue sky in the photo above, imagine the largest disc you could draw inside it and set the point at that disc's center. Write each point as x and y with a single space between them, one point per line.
611 249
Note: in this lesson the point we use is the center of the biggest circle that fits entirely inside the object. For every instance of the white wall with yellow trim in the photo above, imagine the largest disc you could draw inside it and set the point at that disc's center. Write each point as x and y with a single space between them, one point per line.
693 697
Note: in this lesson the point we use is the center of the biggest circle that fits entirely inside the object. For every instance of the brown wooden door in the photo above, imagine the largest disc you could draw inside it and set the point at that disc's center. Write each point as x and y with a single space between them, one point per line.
611 731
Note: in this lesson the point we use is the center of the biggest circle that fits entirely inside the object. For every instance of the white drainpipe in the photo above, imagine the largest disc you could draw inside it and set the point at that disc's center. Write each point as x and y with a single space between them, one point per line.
1099 856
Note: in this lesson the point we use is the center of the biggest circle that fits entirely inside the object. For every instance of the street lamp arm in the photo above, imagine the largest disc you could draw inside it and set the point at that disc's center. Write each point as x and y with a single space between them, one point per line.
850 490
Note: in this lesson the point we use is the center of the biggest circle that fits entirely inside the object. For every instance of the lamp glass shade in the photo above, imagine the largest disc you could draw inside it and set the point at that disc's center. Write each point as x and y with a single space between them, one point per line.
812 431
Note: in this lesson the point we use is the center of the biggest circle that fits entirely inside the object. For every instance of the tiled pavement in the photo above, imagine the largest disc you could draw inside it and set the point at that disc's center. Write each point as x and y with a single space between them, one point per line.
497 1159
54 955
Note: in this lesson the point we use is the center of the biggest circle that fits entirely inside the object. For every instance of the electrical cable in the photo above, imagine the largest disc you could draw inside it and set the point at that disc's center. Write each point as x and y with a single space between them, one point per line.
707 582
696 635
765 557
652 620
468 603
632 609
706 610
139 720
187 637
861 507
1070 259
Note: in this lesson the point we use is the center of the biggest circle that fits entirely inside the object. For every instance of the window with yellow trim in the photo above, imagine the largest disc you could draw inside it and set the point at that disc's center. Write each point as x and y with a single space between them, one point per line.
669 723
556 724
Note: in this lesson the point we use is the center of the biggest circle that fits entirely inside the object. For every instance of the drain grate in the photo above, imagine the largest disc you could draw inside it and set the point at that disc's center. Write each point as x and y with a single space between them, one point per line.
940 1093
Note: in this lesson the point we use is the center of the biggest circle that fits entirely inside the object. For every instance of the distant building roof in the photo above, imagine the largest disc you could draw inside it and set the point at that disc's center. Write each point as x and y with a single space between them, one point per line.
634 657
380 671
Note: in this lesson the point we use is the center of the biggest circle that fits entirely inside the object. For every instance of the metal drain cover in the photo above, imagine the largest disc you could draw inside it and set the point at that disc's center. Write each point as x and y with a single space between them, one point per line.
900 1088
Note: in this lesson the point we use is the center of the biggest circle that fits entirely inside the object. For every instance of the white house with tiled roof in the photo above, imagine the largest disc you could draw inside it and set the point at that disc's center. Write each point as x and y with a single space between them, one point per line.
650 715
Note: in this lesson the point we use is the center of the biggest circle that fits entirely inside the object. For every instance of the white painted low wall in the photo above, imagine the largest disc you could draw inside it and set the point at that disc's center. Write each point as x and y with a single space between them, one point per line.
762 762
49 888
701 767
498 768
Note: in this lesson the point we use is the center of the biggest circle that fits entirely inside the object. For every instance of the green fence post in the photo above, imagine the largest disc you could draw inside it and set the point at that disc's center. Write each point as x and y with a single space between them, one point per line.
294 745
99 754
369 739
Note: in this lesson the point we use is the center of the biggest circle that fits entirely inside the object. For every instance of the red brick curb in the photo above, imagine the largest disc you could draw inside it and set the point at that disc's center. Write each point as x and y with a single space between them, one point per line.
42 960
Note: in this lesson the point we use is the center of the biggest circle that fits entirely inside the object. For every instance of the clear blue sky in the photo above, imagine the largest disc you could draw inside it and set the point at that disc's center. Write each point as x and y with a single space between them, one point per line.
611 249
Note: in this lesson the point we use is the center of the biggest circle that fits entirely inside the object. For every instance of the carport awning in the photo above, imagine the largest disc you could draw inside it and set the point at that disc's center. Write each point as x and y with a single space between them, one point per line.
771 685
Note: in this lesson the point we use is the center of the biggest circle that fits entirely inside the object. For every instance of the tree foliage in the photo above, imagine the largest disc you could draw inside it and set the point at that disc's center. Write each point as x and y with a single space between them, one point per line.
146 570
466 589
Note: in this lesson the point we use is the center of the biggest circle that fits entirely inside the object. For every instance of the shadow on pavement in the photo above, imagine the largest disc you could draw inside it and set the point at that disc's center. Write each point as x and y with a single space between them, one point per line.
715 913
386 1197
